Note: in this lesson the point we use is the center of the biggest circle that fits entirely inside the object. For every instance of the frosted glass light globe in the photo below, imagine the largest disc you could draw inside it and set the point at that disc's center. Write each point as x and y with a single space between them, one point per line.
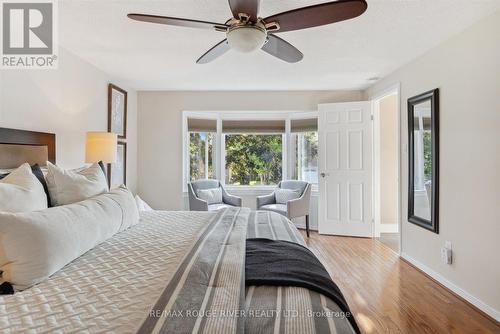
246 39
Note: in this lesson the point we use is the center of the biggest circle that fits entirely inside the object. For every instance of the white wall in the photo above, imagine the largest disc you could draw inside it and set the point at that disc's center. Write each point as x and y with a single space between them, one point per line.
388 159
466 69
69 102
160 131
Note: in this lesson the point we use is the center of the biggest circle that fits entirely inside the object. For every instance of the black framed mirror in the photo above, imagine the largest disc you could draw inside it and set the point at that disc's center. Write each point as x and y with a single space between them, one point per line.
423 152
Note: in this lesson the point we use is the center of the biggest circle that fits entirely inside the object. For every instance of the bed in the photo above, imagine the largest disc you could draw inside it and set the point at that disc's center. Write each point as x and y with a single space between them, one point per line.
173 272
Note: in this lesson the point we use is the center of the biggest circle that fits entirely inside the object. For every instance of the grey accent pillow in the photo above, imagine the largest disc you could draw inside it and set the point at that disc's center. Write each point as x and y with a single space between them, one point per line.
284 195
211 196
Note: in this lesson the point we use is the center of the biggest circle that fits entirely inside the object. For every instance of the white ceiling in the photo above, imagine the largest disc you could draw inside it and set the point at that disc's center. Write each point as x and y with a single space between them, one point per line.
339 56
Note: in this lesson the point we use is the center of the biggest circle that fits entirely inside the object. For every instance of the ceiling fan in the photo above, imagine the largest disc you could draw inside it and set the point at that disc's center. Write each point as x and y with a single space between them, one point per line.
247 32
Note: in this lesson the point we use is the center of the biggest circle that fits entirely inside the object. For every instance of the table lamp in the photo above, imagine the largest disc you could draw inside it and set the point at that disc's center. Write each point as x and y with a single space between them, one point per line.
101 146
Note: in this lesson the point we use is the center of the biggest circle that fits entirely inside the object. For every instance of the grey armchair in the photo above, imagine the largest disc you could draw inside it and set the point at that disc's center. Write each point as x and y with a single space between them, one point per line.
294 208
197 204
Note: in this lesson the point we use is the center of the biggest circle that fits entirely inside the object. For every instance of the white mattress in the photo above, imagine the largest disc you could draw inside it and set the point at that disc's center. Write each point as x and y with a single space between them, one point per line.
111 288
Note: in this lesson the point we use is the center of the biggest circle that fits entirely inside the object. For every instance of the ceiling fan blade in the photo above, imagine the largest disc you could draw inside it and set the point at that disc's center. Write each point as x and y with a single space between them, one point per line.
214 53
250 7
281 49
318 15
174 21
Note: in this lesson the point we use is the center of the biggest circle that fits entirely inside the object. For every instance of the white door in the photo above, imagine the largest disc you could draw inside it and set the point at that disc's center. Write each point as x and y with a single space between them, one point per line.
345 158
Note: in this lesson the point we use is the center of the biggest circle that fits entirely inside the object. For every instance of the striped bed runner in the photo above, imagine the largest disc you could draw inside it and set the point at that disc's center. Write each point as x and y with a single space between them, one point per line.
207 294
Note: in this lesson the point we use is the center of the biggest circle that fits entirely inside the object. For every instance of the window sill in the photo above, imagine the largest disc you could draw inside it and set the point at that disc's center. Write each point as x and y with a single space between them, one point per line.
257 190
250 190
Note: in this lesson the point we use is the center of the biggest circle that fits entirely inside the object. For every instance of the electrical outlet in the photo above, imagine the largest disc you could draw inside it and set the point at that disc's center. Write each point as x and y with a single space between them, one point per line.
447 253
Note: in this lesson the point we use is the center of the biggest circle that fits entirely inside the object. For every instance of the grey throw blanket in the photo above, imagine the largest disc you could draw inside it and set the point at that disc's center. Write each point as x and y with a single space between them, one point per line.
284 263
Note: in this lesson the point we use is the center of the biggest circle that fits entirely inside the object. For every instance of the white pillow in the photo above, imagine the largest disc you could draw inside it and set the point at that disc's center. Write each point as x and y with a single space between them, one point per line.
66 186
141 205
126 200
35 245
20 191
284 195
211 196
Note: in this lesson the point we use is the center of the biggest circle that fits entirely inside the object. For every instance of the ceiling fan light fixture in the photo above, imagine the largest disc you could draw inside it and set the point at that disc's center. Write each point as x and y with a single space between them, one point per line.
246 38
246 31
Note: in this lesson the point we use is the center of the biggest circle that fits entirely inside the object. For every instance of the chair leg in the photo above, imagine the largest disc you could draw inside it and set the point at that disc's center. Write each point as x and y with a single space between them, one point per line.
307 225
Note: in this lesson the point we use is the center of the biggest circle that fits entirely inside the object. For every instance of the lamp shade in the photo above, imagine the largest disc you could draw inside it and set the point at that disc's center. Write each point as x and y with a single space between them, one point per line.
101 146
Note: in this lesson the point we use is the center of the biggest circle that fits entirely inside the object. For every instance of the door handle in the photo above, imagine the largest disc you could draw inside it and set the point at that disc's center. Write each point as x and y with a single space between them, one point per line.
323 174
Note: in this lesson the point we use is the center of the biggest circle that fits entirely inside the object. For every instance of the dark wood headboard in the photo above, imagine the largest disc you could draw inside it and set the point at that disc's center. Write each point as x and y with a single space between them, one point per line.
27 143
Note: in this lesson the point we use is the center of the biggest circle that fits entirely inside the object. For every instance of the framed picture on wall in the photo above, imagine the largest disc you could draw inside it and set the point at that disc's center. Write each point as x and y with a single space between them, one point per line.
117 172
117 111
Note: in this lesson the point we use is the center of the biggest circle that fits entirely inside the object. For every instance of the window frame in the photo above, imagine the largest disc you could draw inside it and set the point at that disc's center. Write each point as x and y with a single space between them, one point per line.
220 144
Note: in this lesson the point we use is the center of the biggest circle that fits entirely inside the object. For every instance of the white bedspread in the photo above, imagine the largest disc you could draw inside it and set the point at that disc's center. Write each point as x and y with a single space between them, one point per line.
112 287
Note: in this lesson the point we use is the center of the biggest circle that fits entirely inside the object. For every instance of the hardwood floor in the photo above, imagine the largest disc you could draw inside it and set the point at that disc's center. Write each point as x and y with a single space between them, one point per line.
388 295
391 240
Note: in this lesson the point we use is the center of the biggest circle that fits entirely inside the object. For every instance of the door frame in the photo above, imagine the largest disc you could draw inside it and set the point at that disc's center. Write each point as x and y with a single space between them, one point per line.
375 98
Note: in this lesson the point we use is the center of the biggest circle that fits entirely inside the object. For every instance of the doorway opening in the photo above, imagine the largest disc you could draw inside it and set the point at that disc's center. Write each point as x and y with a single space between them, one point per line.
386 158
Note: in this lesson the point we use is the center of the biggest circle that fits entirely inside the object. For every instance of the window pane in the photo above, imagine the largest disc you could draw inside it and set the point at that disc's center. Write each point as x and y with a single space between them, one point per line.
306 156
201 155
253 159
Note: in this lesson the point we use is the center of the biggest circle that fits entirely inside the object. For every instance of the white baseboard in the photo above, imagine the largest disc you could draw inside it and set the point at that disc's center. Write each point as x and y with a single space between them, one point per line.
388 228
495 314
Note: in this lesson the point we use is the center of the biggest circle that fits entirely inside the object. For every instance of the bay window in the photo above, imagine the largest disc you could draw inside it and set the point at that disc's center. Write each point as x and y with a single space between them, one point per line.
251 149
